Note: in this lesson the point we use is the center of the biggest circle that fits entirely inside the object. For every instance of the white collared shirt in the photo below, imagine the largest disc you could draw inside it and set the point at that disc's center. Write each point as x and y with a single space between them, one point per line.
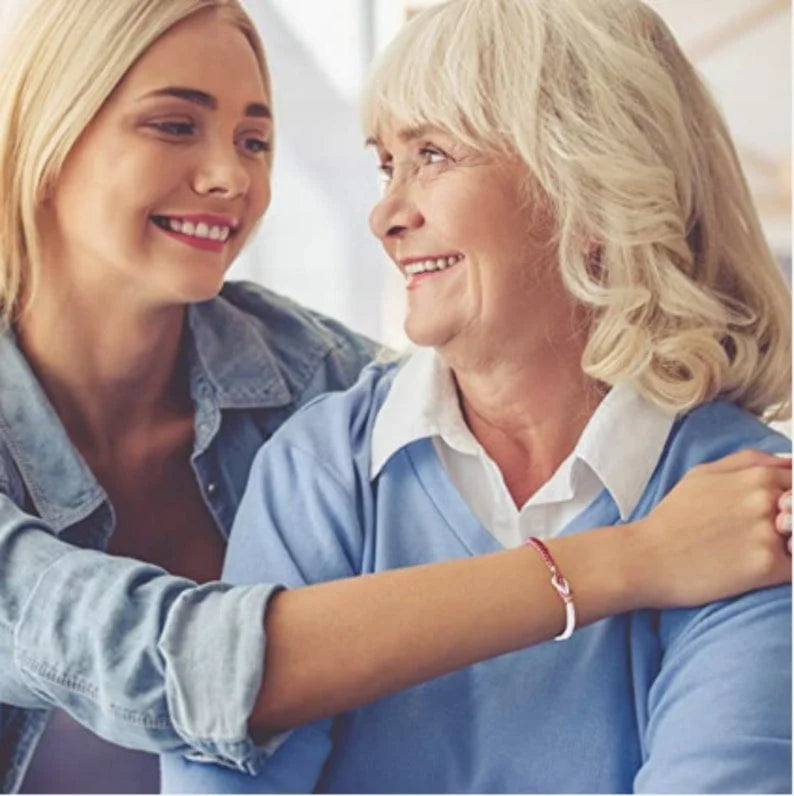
618 450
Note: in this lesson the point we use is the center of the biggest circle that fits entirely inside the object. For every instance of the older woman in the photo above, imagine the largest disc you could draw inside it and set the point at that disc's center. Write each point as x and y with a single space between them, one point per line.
598 313
133 398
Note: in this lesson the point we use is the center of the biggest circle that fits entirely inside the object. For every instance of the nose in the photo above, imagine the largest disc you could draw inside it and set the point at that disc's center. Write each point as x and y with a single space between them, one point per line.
221 173
394 215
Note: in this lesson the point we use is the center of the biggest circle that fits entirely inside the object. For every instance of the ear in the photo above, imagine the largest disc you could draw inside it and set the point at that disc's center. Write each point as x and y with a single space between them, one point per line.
46 190
592 260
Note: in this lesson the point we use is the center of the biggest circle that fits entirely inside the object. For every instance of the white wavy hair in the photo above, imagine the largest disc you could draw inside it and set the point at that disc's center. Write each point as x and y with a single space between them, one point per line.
60 64
656 230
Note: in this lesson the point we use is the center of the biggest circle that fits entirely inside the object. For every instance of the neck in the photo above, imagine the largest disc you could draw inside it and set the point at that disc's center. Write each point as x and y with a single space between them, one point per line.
527 411
109 371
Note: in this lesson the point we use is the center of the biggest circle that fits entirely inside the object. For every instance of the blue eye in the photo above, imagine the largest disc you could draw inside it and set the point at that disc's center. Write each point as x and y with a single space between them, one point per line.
256 146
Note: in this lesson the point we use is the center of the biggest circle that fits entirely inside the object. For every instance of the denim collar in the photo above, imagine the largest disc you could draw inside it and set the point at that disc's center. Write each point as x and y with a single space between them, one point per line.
228 350
233 355
61 486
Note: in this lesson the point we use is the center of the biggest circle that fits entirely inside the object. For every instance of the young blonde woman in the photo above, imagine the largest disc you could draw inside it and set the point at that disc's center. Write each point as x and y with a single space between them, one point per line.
598 312
135 151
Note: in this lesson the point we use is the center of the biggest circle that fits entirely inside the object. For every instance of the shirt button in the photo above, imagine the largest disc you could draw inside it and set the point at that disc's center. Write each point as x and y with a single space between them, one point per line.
212 488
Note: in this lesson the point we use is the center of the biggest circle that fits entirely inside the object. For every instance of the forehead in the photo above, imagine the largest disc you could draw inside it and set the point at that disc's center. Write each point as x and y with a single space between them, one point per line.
205 51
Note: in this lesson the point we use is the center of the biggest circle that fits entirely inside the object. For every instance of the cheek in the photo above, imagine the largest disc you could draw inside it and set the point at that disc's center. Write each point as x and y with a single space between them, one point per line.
259 192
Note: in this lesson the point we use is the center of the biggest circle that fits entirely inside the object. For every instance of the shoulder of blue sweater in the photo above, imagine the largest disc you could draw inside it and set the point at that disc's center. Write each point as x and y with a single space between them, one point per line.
717 428
707 433
337 426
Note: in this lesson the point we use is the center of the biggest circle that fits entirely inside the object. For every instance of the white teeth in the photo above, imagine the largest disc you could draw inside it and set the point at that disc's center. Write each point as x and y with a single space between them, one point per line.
436 264
200 230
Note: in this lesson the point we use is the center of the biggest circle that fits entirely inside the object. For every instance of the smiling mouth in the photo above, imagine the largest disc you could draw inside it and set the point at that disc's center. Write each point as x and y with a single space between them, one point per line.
212 237
200 230
432 265
421 270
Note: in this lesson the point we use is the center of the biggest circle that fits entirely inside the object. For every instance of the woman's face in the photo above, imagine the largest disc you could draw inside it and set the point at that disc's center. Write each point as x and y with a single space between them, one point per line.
477 254
166 183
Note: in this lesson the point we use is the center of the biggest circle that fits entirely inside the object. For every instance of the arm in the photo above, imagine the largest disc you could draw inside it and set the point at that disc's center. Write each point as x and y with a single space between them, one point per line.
146 643
309 531
81 630
719 711
376 634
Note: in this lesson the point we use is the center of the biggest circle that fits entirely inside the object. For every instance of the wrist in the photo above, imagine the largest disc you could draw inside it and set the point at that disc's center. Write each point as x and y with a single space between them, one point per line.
607 569
637 563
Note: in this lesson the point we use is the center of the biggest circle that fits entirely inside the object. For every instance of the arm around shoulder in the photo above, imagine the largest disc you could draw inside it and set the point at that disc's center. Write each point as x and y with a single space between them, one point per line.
110 640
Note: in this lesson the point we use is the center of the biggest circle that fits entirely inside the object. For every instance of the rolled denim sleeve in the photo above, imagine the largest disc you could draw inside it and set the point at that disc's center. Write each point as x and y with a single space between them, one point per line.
140 657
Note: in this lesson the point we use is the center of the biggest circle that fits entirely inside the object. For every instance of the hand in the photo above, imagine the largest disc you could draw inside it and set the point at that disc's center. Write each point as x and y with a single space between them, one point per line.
718 532
783 519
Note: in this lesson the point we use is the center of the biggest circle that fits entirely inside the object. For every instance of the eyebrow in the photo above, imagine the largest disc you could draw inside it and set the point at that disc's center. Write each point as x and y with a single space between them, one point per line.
254 109
405 135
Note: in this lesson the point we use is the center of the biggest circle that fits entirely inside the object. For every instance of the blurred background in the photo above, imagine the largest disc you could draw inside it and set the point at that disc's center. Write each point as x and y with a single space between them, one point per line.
315 244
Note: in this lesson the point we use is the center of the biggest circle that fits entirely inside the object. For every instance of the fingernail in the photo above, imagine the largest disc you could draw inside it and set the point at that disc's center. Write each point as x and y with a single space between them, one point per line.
784 455
785 522
785 503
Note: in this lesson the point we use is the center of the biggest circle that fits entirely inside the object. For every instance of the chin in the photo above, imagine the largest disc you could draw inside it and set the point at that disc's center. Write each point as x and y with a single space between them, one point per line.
426 333
195 288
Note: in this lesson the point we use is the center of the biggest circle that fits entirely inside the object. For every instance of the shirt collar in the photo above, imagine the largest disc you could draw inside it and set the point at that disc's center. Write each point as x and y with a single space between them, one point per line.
232 352
621 443
228 348
59 482
420 403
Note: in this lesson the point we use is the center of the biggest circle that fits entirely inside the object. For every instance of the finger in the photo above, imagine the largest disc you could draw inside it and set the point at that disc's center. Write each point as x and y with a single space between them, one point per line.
747 458
783 522
783 518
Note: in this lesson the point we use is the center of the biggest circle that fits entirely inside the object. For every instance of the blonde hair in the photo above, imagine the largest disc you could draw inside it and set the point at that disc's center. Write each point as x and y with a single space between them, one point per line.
656 230
60 65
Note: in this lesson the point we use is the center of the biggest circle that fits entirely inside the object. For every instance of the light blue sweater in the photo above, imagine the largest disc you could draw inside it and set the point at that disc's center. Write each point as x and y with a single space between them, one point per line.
694 700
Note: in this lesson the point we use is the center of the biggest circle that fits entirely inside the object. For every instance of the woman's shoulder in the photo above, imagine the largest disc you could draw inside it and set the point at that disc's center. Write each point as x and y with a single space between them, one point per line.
351 412
335 429
724 425
285 322
713 430
256 327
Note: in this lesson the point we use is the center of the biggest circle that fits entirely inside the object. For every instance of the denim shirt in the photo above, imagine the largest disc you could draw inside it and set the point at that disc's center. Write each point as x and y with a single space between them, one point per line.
143 658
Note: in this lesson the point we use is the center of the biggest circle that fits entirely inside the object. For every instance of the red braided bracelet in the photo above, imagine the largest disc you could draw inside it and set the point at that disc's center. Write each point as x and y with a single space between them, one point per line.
561 586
